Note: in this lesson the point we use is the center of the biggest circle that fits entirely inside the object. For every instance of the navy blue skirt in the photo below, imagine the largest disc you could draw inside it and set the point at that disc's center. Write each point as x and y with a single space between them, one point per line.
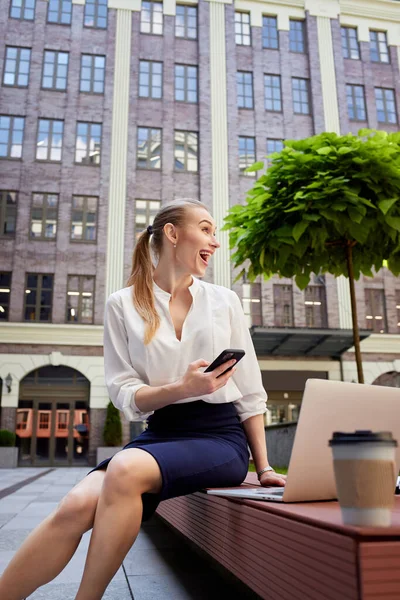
197 445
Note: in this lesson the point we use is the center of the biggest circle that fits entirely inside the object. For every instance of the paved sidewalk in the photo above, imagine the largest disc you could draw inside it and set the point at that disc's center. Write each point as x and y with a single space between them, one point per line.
159 566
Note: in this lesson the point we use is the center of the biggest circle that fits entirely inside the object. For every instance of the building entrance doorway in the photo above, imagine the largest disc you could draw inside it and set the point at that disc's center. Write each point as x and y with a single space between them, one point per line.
53 418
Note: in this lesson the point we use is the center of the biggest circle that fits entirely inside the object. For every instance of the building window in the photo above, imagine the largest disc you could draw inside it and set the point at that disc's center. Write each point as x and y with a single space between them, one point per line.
244 88
283 305
149 148
55 70
92 73
84 218
385 105
151 18
145 211
350 45
247 154
251 300
80 299
5 290
315 305
88 143
379 51
50 138
398 309
356 102
185 83
60 11
270 37
272 147
38 297
16 67
297 36
22 9
96 14
186 21
44 216
8 213
375 310
11 136
186 151
150 79
301 96
272 93
242 29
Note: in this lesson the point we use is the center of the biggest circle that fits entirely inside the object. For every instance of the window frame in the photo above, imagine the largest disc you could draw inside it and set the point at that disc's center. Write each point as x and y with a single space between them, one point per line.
50 145
85 212
309 113
377 42
384 100
96 4
42 238
23 9
148 154
185 152
279 298
11 133
3 213
323 304
278 77
55 74
345 37
246 138
186 79
92 73
353 87
7 303
266 27
186 7
17 66
150 84
370 292
60 13
39 290
252 295
151 32
149 217
89 137
241 34
242 84
80 296
296 41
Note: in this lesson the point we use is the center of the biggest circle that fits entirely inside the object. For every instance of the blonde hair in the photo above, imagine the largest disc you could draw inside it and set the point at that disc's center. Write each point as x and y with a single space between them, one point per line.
141 276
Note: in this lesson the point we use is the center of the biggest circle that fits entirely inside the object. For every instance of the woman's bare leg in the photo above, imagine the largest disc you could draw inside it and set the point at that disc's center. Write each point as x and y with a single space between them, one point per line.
118 517
51 545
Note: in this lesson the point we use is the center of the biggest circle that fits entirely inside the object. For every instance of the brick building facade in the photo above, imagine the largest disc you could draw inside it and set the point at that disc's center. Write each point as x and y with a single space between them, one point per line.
106 112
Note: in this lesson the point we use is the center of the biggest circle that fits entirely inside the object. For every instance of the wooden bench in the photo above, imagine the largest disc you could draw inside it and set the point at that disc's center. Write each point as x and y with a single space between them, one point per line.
291 551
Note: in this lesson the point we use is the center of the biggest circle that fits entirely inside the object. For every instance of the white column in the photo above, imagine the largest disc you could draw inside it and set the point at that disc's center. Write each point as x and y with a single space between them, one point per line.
219 139
119 149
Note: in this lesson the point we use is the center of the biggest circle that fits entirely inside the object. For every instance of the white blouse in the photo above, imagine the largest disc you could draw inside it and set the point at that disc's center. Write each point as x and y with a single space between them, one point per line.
214 322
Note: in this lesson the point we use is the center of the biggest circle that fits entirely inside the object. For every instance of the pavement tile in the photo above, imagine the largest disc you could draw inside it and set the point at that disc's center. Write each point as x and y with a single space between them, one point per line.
5 518
13 538
38 508
155 587
156 539
23 522
5 557
117 590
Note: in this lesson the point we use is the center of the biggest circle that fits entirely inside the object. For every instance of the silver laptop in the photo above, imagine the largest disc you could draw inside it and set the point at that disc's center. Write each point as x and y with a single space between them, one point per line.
328 406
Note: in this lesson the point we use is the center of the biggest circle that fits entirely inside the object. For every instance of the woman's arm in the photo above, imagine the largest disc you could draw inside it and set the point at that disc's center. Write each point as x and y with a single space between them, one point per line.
255 433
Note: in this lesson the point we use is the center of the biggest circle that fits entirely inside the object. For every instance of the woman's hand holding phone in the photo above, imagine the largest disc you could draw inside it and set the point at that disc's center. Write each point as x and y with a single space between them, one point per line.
196 383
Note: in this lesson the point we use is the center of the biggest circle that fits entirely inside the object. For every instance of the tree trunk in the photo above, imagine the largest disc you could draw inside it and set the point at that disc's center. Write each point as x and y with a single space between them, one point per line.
356 335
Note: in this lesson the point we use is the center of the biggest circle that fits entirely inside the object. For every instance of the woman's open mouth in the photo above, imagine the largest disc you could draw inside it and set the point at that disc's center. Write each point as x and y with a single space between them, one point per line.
204 257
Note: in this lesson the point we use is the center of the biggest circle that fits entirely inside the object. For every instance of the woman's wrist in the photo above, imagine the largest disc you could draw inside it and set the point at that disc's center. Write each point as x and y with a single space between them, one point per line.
266 469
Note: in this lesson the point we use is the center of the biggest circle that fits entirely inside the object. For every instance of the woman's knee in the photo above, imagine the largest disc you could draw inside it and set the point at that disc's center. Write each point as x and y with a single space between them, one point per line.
77 509
133 470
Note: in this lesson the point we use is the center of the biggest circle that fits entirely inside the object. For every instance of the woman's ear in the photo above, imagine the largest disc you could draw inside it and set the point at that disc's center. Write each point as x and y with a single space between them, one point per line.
170 232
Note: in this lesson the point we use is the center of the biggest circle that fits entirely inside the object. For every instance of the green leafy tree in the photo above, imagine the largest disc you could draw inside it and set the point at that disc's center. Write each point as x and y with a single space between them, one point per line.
112 433
326 204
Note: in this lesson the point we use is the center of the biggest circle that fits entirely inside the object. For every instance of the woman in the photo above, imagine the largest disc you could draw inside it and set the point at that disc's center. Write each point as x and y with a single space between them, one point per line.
159 334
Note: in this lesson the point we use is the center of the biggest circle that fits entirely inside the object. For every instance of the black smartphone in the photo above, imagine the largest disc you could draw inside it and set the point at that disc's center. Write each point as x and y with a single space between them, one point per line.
226 355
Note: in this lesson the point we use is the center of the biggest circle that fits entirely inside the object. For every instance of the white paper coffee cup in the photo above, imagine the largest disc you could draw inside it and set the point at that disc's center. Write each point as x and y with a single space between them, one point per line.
364 465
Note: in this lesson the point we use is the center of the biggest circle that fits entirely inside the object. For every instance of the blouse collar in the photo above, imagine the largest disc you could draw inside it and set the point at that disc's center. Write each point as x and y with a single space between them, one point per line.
163 295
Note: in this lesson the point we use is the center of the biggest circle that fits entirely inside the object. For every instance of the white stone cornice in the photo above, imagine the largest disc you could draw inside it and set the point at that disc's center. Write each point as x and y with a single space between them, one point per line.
323 8
283 10
51 334
133 5
386 10
380 343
